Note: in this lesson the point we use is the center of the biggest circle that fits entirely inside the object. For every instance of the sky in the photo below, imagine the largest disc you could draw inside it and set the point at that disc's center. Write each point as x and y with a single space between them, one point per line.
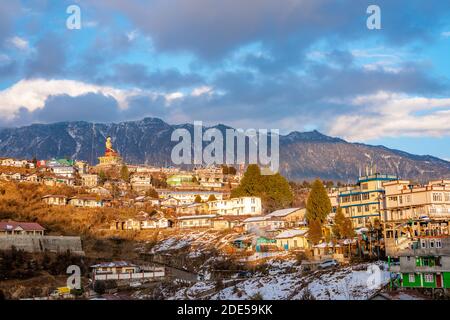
292 65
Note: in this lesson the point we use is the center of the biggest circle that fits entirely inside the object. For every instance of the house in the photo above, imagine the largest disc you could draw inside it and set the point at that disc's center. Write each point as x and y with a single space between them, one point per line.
58 180
192 208
236 206
15 176
186 197
115 267
10 162
82 167
86 202
169 202
265 244
143 221
197 221
425 263
228 222
255 224
293 217
64 171
21 228
100 191
123 270
141 182
293 239
55 200
244 242
89 180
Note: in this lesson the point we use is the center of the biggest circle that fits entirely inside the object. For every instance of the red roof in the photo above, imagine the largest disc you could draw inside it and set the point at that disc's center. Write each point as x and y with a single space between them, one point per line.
27 226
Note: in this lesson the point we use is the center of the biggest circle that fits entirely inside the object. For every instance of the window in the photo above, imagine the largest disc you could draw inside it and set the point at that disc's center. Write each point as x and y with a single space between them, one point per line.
438 243
365 186
359 209
431 243
392 198
447 196
412 277
423 244
356 197
437 196
365 196
429 278
366 208
400 199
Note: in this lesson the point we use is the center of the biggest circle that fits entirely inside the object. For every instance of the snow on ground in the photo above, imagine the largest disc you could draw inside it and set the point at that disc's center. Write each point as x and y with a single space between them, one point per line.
196 240
286 282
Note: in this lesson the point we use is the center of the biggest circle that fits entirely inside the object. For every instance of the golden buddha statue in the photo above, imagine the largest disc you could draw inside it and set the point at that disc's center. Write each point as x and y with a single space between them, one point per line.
108 144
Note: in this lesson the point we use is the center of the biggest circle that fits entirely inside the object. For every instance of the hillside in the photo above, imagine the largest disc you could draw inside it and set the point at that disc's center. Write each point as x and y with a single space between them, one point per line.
302 155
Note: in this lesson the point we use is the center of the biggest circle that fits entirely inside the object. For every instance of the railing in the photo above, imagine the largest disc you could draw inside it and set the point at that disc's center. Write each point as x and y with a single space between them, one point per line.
130 276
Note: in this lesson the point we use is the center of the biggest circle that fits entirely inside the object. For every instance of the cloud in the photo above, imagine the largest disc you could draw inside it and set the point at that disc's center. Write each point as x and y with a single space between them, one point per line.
213 29
388 114
41 100
32 94
19 43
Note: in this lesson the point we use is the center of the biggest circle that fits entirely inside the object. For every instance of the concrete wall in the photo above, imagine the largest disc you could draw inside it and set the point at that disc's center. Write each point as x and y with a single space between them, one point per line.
41 243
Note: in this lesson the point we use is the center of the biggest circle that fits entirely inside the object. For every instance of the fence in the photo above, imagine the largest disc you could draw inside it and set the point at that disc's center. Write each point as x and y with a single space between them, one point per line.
157 273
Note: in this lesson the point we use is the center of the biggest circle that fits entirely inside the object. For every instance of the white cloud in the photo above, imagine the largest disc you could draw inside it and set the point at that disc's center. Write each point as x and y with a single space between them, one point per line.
33 93
201 91
132 35
446 34
19 43
388 114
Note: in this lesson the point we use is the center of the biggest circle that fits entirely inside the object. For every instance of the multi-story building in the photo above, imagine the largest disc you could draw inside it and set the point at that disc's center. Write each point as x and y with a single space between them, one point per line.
141 182
363 202
89 180
185 197
405 201
414 210
236 206
425 263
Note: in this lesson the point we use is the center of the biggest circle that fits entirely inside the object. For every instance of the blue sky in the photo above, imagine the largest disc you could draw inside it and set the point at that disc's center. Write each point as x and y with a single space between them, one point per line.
294 65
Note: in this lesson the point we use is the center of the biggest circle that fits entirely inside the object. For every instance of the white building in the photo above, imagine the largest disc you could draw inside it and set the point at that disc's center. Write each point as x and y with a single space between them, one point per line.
141 181
187 197
64 171
236 206
197 221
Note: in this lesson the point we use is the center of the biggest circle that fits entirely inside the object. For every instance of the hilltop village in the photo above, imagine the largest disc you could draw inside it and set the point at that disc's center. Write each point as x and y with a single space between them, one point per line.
216 232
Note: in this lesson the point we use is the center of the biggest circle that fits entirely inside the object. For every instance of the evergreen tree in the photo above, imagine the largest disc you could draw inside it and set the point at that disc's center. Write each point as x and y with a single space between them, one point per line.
339 221
315 231
347 231
318 205
274 190
102 177
124 173
212 198
198 199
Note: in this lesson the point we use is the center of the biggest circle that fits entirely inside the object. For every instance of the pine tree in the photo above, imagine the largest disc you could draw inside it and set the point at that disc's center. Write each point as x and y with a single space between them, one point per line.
274 190
198 199
347 231
315 231
124 173
212 198
339 221
318 205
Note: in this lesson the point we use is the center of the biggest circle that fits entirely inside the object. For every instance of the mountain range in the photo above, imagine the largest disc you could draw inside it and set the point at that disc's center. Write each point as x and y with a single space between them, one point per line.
303 155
